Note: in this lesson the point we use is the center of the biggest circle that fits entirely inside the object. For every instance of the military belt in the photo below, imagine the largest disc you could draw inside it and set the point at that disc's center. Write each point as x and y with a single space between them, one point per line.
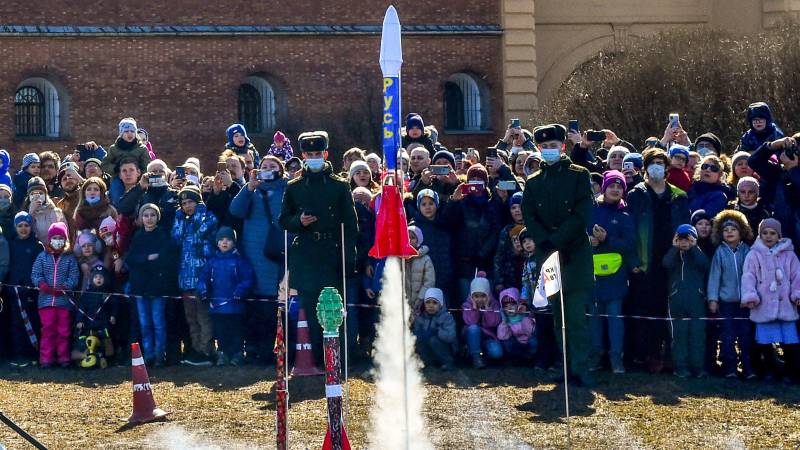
317 236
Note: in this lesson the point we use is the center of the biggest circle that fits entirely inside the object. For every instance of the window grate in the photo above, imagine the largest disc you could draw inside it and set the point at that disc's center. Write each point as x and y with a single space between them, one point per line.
250 108
463 104
29 108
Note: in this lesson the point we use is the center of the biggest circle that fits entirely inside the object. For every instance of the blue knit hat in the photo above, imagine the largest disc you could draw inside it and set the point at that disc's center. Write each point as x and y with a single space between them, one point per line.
237 128
127 124
430 193
226 232
678 149
635 158
686 230
28 159
516 199
22 216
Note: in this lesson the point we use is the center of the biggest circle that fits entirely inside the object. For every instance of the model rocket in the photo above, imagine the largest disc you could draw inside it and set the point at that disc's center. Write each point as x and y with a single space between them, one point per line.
330 315
391 233
281 391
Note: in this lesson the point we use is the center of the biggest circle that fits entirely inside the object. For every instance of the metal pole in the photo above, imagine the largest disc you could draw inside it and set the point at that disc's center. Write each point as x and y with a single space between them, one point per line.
346 344
286 325
405 358
564 349
21 432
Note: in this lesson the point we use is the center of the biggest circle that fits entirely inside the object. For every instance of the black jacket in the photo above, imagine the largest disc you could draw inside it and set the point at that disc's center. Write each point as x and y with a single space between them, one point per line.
152 278
436 235
477 226
23 253
164 197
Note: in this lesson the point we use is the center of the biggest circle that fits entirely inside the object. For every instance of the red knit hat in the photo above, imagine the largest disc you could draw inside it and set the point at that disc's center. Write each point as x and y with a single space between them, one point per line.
278 137
478 171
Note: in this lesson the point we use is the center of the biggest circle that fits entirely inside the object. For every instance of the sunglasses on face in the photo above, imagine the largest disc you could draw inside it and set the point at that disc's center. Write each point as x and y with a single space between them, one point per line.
710 167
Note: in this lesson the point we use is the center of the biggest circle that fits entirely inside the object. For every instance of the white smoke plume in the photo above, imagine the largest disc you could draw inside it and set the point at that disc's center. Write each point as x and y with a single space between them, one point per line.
174 437
388 416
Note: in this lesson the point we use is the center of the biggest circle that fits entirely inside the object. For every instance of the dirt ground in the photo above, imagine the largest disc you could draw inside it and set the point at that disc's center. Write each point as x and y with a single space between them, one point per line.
496 408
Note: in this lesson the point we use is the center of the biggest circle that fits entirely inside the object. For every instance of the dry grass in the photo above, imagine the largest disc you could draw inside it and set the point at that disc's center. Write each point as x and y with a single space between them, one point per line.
233 408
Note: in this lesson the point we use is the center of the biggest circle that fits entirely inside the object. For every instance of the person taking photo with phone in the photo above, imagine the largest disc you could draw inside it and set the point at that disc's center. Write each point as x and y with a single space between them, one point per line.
258 205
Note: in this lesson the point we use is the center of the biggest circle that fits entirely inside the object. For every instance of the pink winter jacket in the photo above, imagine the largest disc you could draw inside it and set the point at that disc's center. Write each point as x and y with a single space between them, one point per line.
522 329
487 319
771 279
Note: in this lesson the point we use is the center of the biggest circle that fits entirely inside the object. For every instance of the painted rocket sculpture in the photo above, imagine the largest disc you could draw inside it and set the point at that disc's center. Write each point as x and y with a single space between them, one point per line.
391 234
281 391
330 315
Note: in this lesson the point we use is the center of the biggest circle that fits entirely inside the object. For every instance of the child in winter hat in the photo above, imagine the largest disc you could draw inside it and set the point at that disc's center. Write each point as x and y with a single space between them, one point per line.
435 330
420 273
55 272
127 124
516 331
281 147
481 314
771 289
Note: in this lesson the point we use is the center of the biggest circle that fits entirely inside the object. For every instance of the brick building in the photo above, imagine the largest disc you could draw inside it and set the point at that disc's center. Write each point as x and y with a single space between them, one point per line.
186 69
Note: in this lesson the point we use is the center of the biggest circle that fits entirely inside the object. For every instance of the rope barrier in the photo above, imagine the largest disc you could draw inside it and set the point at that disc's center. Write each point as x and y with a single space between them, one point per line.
367 306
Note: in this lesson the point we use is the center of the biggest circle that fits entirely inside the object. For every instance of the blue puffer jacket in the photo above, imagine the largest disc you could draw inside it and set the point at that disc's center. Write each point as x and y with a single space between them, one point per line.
725 277
21 187
249 206
57 270
195 235
712 198
753 139
619 239
226 280
5 163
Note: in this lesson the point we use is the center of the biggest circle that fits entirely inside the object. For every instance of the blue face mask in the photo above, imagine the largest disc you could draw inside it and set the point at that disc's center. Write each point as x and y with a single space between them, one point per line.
92 200
315 164
656 172
551 155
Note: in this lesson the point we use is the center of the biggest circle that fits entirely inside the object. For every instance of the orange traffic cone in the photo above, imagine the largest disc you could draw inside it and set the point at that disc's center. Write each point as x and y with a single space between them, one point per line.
391 231
144 406
303 357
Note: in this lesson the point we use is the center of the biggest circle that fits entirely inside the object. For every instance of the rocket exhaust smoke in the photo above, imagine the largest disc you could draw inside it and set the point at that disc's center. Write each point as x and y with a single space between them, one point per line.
388 416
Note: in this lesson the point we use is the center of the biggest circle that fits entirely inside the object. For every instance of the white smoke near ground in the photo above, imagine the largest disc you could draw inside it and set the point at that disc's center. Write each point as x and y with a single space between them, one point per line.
174 437
388 416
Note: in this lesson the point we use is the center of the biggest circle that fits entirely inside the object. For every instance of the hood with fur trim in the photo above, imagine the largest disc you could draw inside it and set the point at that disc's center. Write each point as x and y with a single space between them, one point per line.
745 232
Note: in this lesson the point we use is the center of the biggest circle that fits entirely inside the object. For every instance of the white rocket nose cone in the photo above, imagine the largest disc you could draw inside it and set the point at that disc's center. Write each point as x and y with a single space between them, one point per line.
391 49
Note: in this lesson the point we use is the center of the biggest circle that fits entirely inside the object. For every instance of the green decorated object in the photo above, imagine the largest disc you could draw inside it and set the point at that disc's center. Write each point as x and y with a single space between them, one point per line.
330 311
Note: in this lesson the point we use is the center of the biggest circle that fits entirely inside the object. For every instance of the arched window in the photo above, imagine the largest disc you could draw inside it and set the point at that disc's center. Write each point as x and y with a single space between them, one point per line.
250 108
38 109
466 103
29 110
453 107
257 105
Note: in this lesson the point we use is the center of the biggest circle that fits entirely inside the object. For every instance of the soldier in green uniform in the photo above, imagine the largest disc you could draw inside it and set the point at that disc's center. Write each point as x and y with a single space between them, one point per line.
314 206
557 207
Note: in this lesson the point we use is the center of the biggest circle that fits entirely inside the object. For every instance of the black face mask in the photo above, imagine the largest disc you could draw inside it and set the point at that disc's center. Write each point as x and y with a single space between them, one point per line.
125 145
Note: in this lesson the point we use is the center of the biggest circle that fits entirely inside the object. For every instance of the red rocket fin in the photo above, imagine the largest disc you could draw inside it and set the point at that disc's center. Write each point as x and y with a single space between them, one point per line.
391 232
328 445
